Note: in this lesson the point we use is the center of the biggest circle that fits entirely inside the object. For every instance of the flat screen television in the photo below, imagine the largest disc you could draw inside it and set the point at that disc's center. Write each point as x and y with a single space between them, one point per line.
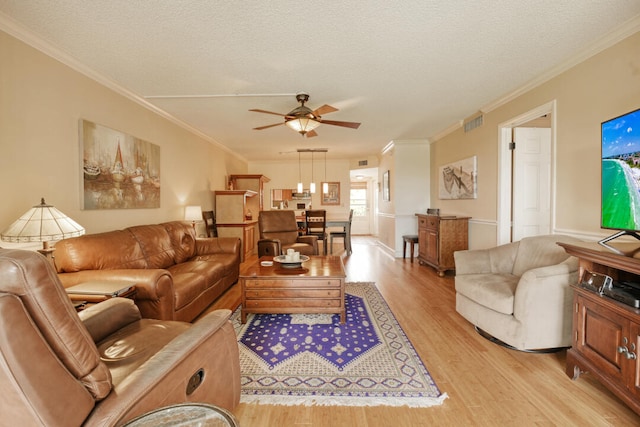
620 175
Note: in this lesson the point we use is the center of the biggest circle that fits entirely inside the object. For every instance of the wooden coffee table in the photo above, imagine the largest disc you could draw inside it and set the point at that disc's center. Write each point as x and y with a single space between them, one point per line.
317 286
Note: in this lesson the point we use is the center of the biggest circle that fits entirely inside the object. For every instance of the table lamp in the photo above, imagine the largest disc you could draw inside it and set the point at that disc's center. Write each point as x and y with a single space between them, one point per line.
42 223
193 214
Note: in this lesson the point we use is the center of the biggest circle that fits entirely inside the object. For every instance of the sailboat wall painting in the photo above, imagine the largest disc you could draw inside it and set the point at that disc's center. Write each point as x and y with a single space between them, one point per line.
119 171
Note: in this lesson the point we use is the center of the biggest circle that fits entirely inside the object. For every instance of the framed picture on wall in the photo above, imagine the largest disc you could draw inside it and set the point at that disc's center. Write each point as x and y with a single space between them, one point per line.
331 197
458 180
119 171
386 195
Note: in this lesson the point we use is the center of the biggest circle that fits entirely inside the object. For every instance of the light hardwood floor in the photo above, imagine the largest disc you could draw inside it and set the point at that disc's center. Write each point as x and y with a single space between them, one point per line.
487 385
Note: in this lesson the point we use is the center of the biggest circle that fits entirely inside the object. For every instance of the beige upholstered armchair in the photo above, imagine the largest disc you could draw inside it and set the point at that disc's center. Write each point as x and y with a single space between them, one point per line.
279 232
519 292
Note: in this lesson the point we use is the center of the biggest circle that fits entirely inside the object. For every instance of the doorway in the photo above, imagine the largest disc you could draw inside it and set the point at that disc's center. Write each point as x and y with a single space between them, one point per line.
363 201
526 177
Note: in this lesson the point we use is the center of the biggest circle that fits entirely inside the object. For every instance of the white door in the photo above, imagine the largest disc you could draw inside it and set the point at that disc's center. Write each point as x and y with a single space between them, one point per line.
531 182
360 202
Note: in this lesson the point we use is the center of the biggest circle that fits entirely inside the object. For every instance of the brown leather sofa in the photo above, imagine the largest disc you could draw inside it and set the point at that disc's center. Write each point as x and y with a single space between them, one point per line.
105 365
279 232
176 275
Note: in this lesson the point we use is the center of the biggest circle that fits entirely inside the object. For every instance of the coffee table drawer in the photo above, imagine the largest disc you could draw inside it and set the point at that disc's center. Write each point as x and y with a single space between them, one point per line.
297 283
293 293
291 303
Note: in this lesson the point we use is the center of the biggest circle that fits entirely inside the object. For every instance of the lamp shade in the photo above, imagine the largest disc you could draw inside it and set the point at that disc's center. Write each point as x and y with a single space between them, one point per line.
42 223
302 124
193 213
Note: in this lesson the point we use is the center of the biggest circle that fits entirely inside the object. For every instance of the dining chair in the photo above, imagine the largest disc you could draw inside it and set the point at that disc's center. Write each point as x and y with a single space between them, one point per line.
345 234
210 223
317 226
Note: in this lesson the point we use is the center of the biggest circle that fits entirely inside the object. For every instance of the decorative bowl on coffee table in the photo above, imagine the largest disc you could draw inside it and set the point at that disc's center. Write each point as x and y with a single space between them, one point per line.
282 260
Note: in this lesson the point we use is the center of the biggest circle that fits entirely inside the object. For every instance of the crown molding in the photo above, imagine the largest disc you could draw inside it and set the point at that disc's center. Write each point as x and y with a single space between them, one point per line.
20 32
627 29
444 132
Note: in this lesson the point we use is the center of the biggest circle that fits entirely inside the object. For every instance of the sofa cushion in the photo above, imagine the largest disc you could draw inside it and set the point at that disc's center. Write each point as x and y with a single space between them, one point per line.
156 245
112 250
223 263
183 240
193 278
131 346
494 291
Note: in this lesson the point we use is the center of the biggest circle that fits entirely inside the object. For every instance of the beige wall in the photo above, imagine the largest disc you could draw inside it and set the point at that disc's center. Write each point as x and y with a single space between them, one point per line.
602 87
41 103
285 175
42 100
408 164
386 209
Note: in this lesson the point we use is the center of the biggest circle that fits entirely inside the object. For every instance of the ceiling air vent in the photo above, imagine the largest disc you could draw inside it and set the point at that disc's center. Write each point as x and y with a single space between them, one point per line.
363 162
471 124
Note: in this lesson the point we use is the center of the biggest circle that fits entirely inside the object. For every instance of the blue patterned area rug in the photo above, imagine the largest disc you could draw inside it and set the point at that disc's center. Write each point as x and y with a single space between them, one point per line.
311 359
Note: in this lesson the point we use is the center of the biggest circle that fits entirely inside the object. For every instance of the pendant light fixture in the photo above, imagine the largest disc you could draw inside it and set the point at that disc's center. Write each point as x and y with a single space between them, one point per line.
325 184
299 174
312 186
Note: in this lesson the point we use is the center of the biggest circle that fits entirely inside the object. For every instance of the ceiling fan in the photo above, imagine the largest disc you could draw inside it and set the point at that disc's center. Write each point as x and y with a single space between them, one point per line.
304 120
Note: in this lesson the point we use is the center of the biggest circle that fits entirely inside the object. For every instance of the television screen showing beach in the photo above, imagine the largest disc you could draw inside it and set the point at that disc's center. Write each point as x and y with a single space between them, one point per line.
621 172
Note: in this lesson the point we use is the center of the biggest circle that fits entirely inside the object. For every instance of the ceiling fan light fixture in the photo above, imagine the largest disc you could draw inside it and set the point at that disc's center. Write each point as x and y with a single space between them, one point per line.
302 125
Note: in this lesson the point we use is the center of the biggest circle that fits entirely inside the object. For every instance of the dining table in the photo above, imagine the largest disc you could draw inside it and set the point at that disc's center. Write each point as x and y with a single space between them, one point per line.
334 222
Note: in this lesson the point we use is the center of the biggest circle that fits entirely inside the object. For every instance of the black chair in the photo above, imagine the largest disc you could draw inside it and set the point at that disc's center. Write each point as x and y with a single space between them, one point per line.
345 234
210 223
317 226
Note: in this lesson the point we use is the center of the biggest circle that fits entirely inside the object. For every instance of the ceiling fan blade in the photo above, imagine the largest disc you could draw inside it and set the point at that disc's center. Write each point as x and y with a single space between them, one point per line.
268 112
311 134
325 109
268 126
352 125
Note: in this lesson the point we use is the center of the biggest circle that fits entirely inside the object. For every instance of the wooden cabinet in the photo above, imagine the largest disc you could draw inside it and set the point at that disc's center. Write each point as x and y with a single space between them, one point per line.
232 218
237 210
606 333
246 232
233 206
253 183
281 198
439 236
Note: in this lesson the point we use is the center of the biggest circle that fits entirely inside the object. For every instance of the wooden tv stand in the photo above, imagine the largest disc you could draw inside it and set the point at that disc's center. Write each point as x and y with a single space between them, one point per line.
606 333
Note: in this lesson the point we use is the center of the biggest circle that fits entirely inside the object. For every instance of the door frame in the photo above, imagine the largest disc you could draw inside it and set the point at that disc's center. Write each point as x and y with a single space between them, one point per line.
505 190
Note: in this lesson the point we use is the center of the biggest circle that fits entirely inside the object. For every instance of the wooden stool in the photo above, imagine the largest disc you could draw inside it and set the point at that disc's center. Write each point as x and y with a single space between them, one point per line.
412 239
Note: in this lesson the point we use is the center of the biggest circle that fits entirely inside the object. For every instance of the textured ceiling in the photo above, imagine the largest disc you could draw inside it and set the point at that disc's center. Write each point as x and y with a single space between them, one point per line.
405 70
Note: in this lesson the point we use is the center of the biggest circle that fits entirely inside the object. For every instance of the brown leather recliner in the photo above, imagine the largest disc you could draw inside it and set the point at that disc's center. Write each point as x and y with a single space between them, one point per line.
105 365
279 232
